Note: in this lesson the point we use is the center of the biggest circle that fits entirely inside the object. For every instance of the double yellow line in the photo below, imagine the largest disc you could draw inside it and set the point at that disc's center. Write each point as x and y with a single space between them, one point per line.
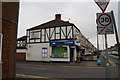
30 76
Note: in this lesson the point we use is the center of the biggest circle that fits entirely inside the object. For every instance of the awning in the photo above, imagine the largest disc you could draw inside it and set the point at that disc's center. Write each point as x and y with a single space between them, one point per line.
56 43
66 42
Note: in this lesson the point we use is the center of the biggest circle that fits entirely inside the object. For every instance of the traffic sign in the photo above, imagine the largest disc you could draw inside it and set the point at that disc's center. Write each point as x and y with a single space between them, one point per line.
105 23
105 30
104 19
102 4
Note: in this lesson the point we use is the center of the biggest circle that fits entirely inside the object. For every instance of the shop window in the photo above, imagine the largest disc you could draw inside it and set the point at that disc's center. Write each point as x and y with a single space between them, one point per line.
44 52
59 52
0 47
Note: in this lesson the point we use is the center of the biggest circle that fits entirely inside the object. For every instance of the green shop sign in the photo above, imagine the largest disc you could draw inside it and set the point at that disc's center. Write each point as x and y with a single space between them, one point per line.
64 51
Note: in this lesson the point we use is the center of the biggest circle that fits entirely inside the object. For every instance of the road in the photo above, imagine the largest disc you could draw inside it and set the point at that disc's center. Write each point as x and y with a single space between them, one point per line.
113 60
111 57
53 71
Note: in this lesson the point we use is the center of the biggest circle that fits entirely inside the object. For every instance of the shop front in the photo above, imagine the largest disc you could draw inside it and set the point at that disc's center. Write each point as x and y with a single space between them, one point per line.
64 50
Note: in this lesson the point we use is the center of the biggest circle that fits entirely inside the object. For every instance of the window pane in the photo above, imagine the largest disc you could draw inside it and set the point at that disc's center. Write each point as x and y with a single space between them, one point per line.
34 35
44 53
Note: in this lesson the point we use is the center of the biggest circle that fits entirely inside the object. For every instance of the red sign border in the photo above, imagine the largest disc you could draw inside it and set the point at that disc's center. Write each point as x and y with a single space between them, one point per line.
106 15
103 10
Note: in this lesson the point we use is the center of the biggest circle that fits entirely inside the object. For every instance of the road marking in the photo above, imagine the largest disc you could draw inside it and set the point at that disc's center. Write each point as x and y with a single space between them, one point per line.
30 76
113 64
80 67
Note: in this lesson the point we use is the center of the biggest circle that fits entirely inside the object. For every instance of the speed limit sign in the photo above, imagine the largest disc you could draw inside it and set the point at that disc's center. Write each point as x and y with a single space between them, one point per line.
104 19
104 23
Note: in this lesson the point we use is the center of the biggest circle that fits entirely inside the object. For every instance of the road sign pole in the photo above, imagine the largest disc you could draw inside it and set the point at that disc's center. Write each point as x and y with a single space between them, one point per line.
107 57
97 42
103 41
118 44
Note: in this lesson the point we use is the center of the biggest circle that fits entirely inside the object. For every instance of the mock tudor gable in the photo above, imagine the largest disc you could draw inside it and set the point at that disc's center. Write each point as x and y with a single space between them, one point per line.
56 29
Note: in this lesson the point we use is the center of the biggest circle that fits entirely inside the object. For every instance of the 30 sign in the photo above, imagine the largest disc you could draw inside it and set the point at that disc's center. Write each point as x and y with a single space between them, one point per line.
104 23
104 19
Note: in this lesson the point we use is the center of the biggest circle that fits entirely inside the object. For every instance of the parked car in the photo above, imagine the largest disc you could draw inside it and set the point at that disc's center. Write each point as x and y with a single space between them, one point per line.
114 53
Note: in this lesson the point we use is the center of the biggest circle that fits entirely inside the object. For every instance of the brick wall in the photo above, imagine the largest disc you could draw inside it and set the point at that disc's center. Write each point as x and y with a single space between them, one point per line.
9 46
20 56
9 30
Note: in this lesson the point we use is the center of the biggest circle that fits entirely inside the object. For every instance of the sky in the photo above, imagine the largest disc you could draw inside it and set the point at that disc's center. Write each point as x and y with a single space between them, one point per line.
80 12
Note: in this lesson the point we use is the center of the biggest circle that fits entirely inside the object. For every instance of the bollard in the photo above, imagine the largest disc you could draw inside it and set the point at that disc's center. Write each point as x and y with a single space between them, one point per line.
98 62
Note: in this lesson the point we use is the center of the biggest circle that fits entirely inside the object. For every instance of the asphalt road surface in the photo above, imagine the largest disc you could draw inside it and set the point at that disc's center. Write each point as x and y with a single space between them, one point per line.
111 57
52 71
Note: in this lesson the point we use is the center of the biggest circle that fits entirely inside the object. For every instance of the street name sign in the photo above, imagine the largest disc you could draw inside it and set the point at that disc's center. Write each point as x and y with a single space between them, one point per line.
102 4
105 23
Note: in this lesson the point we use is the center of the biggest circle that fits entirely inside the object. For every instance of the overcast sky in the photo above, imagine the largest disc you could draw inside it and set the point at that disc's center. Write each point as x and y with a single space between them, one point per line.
80 12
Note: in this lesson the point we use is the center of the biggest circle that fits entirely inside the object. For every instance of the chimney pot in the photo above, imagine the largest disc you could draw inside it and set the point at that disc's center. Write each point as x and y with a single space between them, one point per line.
58 16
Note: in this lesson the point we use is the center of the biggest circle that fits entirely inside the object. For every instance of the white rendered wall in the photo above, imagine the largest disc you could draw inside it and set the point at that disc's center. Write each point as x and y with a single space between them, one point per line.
21 51
34 52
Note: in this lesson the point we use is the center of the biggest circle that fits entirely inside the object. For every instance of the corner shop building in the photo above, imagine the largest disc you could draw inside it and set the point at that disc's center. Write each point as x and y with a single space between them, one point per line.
56 40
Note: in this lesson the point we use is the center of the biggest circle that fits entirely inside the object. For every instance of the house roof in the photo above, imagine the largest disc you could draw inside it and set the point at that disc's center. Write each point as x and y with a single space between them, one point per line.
52 23
22 38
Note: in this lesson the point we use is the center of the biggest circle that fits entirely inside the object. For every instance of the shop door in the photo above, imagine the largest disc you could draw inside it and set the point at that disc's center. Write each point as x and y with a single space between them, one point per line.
71 54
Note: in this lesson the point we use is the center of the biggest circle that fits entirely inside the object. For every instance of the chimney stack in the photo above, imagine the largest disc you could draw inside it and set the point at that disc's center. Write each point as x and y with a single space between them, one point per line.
58 16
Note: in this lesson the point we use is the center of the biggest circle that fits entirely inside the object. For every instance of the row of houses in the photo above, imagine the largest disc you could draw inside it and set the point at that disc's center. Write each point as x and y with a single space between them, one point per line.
56 40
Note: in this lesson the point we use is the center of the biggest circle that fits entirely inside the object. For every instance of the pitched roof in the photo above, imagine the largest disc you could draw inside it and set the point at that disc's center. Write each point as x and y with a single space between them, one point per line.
52 23
22 38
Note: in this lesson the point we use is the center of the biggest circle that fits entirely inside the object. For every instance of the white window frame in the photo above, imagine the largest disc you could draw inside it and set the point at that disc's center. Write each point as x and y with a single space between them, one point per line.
44 52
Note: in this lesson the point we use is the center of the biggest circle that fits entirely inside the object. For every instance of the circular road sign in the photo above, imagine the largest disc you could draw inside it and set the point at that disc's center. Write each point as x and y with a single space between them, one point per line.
104 19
